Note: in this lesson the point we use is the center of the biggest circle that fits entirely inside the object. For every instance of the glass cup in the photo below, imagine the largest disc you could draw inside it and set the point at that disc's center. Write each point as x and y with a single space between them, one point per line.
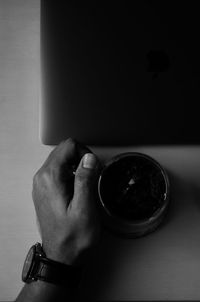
133 190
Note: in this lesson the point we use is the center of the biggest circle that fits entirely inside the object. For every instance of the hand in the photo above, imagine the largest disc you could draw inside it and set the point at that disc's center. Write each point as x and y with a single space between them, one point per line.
66 204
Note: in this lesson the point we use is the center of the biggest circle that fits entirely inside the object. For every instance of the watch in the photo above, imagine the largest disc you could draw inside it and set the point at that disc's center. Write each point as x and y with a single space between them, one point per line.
38 267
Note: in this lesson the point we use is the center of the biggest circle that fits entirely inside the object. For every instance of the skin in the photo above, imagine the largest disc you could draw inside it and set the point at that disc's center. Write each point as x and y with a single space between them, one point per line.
66 209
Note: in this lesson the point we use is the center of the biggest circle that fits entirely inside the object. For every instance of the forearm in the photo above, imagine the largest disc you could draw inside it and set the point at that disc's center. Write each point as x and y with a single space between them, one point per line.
40 291
68 201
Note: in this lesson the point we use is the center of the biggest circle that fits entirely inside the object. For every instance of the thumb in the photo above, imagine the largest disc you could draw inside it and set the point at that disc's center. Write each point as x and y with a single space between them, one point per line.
86 180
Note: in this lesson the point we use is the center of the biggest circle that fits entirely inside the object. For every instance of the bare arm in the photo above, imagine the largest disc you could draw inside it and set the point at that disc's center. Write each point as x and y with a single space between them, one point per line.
66 211
45 292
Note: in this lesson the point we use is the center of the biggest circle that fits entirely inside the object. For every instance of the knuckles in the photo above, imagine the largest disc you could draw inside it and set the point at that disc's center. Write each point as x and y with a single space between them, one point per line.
36 178
52 166
43 177
71 141
50 171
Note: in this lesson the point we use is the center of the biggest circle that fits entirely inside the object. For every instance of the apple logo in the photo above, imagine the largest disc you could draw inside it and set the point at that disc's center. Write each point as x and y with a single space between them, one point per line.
157 61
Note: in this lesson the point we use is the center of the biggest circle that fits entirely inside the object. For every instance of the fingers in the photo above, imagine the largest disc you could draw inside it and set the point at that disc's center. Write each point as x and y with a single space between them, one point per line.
68 152
86 181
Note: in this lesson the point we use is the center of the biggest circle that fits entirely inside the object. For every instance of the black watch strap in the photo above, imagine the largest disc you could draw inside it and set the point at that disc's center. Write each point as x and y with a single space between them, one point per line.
58 273
38 267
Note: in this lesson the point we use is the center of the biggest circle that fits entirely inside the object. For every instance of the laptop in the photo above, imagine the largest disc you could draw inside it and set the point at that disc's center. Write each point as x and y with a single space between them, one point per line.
120 74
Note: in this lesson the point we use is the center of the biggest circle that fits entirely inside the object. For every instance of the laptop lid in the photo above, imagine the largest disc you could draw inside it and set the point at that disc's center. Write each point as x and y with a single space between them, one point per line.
119 74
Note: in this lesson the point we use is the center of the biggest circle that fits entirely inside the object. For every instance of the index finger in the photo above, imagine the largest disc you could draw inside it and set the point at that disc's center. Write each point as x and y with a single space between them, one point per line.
69 152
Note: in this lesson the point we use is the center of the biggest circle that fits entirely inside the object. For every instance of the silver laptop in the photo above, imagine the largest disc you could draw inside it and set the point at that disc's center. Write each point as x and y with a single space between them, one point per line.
119 74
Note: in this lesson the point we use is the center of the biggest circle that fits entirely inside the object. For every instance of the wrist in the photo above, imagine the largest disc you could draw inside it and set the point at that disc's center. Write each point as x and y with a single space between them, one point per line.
65 255
38 266
44 291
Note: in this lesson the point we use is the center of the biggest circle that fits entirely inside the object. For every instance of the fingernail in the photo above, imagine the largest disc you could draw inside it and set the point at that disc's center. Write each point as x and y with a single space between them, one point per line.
89 161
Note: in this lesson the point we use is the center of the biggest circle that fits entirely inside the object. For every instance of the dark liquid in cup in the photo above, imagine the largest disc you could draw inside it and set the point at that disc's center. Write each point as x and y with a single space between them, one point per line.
133 188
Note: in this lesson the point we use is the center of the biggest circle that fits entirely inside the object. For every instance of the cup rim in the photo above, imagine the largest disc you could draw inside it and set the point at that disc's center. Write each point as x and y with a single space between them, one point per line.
157 213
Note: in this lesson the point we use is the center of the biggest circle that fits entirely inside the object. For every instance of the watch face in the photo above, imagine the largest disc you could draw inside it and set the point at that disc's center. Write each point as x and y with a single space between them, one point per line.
28 264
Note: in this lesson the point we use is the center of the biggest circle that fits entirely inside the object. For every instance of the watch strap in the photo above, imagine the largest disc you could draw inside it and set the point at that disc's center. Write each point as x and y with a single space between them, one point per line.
58 273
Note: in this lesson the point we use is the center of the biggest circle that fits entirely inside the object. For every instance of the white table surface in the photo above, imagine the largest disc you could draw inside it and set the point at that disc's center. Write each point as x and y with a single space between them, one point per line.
162 266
